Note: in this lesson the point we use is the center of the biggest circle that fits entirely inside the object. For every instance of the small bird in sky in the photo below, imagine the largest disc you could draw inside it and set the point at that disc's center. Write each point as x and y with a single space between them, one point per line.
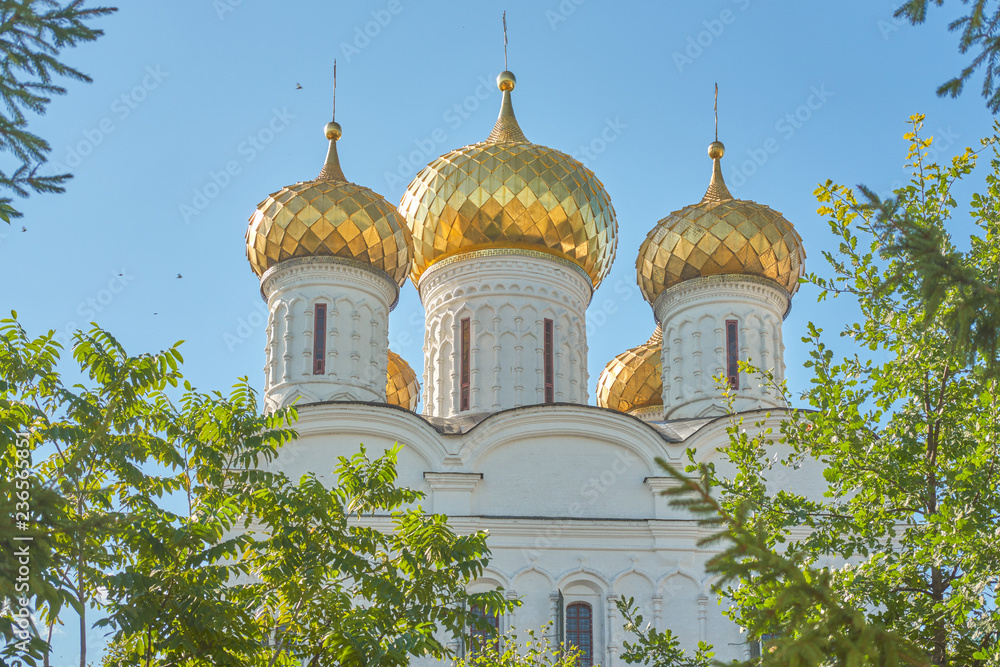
179 275
298 86
23 228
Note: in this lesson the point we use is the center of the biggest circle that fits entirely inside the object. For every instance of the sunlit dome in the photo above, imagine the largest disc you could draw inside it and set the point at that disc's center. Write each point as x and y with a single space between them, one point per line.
401 387
508 193
632 381
331 217
720 235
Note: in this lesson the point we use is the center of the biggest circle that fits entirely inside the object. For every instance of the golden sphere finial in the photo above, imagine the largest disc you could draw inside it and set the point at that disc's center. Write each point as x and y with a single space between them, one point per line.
506 81
716 150
333 130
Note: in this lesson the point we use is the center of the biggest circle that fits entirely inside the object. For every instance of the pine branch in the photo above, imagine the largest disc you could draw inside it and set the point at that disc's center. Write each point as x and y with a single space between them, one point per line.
815 623
978 31
33 33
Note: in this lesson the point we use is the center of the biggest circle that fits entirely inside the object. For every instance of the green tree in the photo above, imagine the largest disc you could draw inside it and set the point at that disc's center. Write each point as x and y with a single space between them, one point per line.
897 562
968 283
161 517
92 502
33 33
818 625
910 434
357 575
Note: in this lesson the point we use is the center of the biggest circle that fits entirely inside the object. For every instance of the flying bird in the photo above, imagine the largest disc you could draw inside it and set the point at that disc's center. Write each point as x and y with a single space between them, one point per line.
179 275
23 228
298 86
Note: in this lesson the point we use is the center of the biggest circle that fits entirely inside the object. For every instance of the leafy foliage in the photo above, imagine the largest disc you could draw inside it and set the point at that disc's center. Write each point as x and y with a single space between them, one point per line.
536 650
657 648
343 583
167 518
906 431
923 252
894 560
821 627
32 35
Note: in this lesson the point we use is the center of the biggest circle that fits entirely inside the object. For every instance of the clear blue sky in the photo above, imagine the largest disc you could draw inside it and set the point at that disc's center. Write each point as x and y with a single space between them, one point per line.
181 89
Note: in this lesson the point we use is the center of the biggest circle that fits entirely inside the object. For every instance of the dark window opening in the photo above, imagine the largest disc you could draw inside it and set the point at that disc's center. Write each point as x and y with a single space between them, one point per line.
580 631
549 363
464 361
319 340
733 354
480 638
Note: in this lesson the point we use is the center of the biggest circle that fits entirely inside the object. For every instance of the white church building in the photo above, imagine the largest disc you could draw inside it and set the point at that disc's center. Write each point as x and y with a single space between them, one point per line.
506 242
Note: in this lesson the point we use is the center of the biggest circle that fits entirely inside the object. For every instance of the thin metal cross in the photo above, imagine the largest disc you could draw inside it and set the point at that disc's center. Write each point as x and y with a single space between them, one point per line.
716 112
505 40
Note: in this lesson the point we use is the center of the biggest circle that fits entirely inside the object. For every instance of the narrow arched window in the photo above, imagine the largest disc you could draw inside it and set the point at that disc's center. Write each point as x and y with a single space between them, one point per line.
464 362
483 639
319 339
733 353
549 362
580 631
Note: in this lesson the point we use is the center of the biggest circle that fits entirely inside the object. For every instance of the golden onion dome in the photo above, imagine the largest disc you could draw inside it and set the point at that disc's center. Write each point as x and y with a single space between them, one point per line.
720 235
508 193
329 216
633 381
401 386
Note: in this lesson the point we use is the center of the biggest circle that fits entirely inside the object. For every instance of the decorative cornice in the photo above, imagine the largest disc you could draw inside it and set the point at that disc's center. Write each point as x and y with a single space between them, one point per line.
453 481
506 274
660 484
505 252
756 285
344 267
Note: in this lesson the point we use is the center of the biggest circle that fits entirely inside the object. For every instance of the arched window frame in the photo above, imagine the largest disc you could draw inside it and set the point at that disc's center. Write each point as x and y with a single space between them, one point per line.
733 352
319 337
548 356
580 631
478 636
464 348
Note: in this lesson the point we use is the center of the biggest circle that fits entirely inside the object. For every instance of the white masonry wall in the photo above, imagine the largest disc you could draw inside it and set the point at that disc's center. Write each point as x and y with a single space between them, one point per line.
506 295
693 315
570 495
358 300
